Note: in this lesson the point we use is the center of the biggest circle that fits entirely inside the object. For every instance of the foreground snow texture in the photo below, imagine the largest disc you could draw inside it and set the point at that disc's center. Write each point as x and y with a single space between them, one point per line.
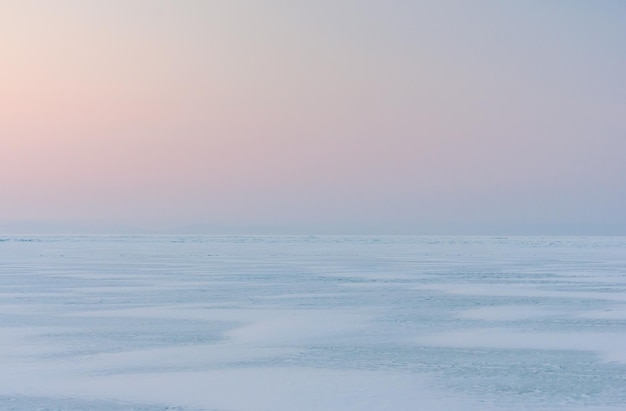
312 323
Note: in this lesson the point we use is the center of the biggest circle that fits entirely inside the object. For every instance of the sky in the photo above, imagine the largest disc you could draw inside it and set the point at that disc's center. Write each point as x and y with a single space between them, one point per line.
313 117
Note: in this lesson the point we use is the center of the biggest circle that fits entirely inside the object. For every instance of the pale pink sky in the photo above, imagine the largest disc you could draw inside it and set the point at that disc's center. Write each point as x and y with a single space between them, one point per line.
353 116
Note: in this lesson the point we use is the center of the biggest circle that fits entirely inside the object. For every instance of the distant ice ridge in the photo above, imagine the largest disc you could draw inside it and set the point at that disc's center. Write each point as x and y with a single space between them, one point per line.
312 323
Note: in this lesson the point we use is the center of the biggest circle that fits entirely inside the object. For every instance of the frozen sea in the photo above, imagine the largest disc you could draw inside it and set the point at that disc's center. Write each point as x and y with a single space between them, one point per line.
295 323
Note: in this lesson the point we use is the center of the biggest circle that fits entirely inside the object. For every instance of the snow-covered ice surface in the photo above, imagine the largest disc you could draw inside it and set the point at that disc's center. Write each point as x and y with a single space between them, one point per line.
312 323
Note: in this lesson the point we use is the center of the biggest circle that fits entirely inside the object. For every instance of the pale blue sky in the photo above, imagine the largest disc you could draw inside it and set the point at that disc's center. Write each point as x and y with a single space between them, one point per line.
478 117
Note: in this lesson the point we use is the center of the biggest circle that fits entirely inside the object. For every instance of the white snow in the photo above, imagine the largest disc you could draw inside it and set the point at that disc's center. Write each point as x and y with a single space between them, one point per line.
312 323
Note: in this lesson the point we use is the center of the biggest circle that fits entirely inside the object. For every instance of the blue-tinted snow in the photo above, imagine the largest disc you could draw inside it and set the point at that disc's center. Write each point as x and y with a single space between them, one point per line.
312 323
